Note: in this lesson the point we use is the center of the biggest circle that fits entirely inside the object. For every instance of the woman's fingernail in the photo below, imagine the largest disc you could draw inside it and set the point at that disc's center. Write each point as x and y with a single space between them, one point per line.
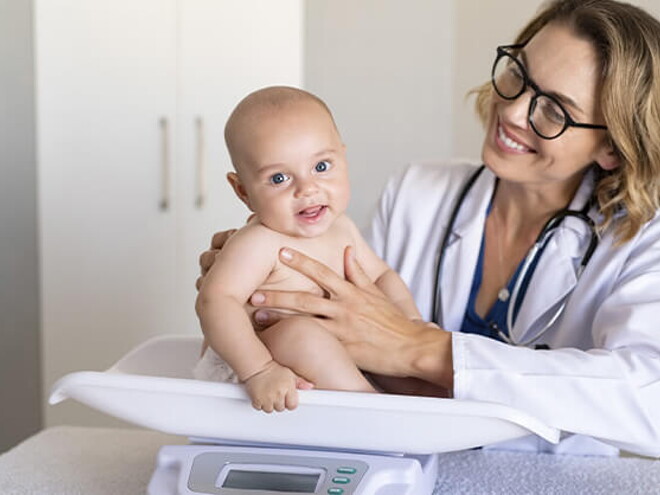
286 254
257 298
261 317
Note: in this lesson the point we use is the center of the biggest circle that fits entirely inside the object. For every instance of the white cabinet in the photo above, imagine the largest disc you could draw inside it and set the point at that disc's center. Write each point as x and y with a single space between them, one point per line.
225 52
132 97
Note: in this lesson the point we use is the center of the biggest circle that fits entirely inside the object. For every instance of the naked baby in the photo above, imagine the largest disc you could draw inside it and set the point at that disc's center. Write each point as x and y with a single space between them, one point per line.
291 172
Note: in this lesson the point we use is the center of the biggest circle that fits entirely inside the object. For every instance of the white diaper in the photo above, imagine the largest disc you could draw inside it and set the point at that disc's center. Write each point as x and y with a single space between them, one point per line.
212 368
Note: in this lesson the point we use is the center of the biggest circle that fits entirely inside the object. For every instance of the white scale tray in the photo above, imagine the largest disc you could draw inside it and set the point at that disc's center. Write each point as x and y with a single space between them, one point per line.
152 386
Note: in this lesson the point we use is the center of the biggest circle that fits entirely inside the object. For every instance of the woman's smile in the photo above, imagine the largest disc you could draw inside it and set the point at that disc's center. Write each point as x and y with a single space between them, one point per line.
508 143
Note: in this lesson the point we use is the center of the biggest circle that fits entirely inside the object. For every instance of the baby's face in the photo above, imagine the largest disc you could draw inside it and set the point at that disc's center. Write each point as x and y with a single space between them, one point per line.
294 171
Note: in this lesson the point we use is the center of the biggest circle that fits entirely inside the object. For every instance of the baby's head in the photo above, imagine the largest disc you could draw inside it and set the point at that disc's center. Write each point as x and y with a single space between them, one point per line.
290 162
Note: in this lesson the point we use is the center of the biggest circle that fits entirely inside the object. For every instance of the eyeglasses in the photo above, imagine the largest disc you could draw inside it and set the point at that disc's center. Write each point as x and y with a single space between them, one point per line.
547 116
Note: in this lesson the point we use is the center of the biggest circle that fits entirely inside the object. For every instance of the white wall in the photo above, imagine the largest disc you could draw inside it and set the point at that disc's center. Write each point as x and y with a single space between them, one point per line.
382 67
480 27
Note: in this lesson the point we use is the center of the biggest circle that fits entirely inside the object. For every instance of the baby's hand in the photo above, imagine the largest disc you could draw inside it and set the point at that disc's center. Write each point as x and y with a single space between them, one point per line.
273 388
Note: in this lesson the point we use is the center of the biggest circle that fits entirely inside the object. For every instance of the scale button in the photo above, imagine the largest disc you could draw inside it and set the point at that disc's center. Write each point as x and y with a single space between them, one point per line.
346 470
342 480
335 491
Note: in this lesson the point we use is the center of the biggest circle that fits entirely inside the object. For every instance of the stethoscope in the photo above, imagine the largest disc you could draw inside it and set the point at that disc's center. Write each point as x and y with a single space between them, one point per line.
530 260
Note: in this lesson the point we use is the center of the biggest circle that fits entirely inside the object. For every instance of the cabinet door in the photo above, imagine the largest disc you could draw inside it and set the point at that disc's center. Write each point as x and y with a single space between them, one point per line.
226 50
106 84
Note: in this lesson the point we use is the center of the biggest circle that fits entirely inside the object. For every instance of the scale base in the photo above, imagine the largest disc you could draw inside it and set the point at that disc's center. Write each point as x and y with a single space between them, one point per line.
231 470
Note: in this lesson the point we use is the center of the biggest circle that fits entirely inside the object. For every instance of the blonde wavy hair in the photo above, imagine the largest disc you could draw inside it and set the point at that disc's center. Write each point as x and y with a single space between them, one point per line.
627 42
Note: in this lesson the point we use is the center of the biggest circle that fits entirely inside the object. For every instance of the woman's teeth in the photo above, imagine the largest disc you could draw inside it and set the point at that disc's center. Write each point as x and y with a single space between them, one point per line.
510 143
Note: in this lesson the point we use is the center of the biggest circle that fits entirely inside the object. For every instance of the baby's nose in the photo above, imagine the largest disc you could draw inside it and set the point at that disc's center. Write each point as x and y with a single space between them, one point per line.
306 188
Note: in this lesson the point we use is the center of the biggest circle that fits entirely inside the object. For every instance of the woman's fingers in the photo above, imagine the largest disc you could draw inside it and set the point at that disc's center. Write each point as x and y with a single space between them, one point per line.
206 260
353 270
220 238
300 302
324 276
264 318
344 296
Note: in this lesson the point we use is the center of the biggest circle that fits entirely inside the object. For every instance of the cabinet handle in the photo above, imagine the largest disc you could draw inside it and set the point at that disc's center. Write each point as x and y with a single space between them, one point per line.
165 164
200 200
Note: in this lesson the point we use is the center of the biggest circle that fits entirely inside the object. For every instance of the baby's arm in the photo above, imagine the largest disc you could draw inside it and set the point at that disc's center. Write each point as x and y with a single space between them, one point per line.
241 267
397 291
383 276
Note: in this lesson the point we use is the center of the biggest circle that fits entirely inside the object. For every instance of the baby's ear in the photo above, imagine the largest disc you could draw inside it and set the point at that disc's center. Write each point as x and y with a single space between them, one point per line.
608 157
236 184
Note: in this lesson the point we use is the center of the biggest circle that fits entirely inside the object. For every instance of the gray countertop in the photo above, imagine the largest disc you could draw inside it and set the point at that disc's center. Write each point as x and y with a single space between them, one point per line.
78 460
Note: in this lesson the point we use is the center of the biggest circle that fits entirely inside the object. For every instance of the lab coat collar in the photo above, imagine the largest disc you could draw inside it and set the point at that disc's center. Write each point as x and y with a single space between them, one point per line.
585 190
556 273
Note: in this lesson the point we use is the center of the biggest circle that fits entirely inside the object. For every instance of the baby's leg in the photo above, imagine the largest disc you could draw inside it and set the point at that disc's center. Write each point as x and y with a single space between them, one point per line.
303 345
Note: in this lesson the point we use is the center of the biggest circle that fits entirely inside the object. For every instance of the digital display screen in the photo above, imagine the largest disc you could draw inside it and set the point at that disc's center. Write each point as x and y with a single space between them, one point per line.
275 482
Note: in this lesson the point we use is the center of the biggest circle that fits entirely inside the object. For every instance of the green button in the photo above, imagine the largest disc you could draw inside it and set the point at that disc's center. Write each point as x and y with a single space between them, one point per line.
335 491
346 470
342 480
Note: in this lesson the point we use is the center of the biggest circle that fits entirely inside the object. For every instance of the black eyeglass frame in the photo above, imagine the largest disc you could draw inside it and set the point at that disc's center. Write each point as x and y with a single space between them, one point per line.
527 82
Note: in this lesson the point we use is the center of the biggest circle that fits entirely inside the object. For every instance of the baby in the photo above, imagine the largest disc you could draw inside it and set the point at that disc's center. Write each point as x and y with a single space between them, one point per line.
291 172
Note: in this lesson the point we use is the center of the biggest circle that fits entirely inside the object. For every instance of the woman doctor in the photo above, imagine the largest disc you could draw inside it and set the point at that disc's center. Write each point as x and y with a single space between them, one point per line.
572 334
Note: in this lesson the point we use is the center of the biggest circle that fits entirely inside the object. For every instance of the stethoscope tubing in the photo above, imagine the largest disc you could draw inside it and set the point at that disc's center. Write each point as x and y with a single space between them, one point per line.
542 239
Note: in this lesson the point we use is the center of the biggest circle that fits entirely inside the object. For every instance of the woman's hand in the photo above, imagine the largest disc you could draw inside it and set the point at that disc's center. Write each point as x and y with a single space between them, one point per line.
207 258
379 337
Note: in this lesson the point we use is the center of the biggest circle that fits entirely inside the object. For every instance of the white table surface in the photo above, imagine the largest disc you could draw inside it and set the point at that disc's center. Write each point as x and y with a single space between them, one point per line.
70 460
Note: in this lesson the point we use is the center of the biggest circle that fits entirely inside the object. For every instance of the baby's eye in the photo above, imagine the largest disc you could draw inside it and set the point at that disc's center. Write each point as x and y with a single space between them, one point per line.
323 166
279 178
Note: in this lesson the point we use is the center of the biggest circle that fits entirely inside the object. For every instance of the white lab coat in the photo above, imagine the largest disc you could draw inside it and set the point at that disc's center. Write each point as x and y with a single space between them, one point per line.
602 377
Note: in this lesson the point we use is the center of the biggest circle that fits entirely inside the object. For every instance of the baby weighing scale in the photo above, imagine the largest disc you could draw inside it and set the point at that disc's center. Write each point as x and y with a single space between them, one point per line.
342 443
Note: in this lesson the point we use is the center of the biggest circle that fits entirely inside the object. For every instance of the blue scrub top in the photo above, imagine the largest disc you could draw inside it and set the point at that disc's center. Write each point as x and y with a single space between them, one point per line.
495 318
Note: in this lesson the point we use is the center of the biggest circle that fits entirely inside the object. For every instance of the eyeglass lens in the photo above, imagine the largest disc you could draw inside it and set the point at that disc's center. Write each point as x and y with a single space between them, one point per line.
510 81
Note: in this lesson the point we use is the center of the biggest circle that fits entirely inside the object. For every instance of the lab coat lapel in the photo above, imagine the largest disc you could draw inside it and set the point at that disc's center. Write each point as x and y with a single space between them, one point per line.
463 250
554 277
556 273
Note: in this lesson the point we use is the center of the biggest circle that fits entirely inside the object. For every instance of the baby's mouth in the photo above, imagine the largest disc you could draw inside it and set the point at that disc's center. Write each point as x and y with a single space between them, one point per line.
312 212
